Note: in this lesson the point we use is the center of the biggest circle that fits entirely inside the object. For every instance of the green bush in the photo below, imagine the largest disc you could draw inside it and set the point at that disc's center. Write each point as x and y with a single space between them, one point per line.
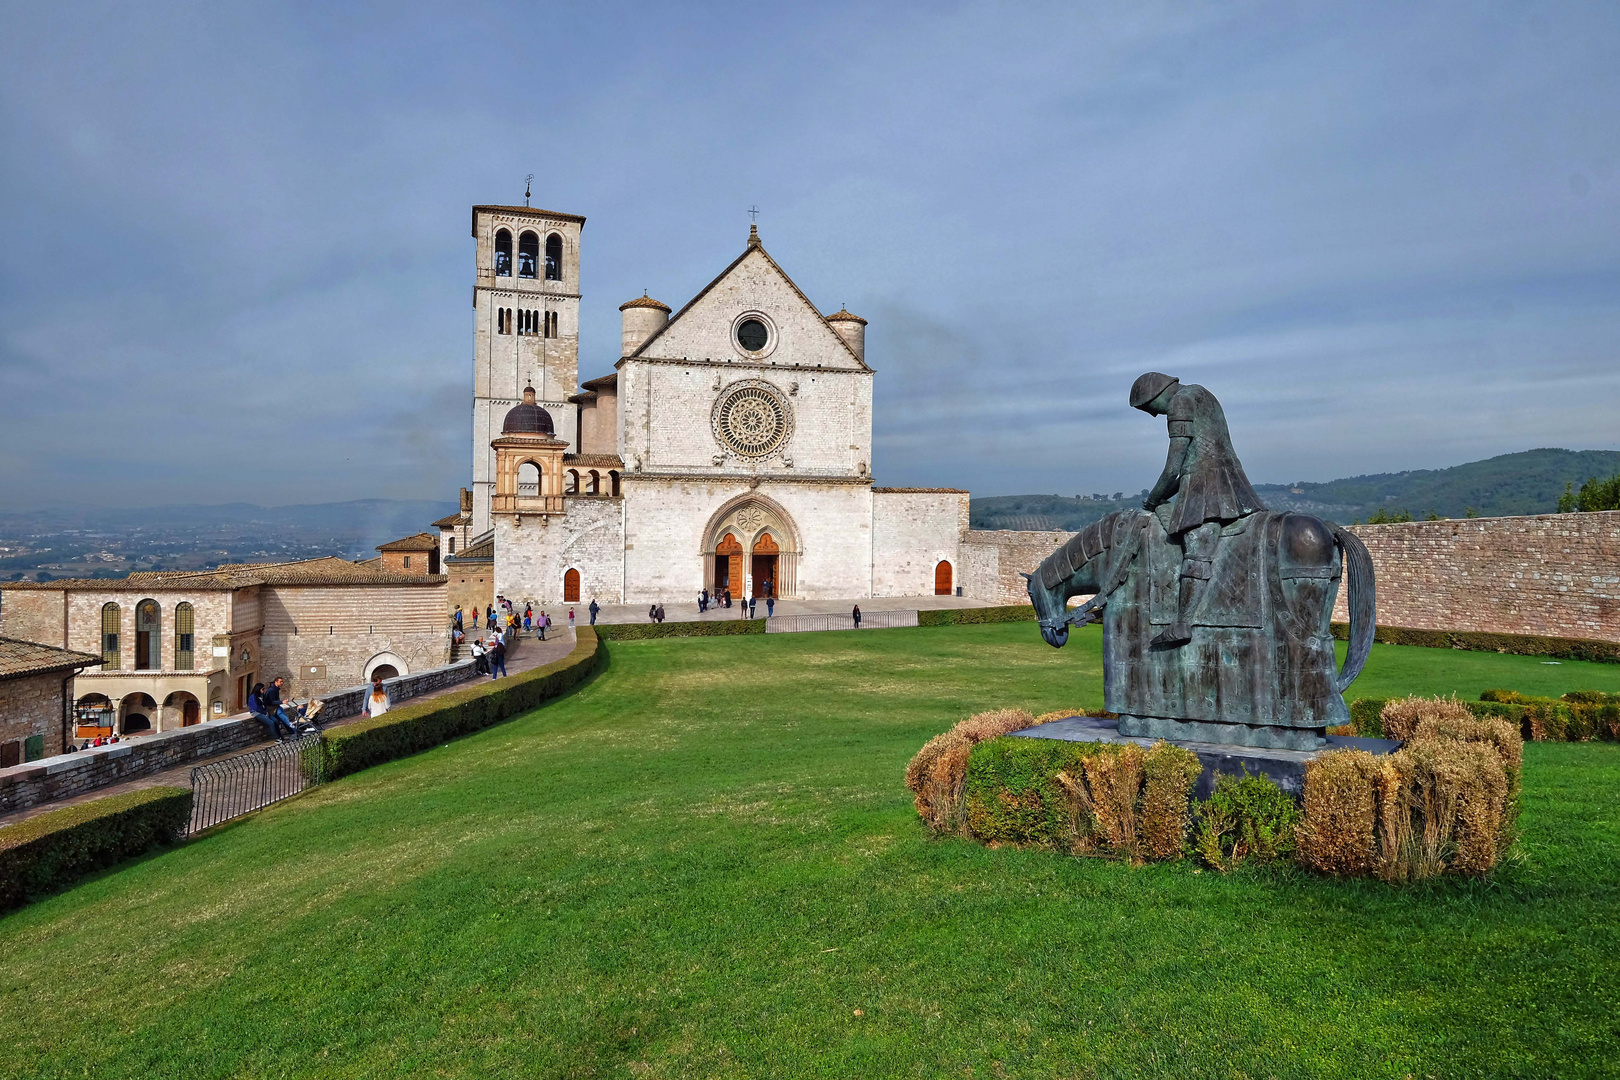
976 616
707 628
1558 648
1244 818
412 728
1366 715
57 848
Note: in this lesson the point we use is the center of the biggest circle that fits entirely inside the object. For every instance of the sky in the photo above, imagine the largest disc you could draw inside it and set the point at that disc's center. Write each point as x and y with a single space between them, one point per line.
235 261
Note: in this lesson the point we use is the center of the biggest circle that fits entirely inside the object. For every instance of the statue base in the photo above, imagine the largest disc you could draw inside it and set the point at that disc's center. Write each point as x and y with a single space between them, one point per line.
1265 736
1285 768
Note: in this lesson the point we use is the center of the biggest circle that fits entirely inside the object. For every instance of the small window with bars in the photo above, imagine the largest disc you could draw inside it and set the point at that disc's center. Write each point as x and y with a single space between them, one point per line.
185 637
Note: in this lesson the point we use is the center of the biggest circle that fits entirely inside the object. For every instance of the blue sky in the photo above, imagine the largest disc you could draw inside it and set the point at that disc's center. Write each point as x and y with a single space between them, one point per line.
235 261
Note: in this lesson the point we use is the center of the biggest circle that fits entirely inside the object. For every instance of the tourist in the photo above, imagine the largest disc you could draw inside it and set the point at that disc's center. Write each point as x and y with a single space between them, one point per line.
660 613
570 618
376 701
480 657
475 619
456 636
770 606
540 626
652 612
703 601
753 604
856 615
596 609
489 618
528 620
458 616
497 659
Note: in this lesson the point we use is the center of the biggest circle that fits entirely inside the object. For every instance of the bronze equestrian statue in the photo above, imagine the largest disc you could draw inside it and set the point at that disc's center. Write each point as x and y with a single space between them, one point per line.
1215 610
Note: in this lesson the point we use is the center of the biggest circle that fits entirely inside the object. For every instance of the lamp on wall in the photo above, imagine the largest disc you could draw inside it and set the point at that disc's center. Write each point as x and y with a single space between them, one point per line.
247 657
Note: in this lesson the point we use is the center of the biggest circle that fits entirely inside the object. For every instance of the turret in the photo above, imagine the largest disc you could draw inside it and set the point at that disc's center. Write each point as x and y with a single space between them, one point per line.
643 317
852 328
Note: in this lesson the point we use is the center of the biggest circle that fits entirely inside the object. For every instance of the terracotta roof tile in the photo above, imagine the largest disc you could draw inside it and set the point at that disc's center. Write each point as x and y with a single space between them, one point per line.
420 542
845 315
450 521
645 301
18 658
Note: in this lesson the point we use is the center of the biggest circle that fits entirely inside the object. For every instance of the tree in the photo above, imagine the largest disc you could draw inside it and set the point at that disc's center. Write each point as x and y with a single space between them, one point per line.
1594 495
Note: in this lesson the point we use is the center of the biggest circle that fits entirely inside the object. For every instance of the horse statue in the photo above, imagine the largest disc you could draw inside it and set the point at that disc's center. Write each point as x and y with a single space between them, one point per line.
1259 670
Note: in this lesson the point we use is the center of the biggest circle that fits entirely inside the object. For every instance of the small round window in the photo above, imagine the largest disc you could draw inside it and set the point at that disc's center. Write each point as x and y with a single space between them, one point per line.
752 335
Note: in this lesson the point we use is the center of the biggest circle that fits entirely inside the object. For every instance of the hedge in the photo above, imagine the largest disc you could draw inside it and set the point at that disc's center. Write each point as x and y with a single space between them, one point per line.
412 728
1559 648
707 628
1571 718
55 849
976 616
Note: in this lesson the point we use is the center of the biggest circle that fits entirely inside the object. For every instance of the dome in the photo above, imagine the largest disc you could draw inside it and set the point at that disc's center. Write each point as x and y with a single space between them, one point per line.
528 418
645 301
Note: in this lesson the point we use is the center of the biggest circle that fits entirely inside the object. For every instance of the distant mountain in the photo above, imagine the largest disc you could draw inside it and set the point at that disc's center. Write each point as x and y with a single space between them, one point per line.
1524 483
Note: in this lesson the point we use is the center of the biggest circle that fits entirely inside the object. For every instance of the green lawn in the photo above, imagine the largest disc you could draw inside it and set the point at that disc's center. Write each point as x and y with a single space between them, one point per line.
705 863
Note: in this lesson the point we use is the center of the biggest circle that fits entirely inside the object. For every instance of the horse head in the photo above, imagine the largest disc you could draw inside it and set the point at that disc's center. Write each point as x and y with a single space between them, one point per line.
1051 612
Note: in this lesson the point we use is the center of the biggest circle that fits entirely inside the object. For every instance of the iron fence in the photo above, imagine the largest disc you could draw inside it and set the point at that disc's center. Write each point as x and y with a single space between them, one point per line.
870 620
227 789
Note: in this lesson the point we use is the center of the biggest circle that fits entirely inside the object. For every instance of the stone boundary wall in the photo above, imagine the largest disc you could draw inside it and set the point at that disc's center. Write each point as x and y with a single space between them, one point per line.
992 560
1553 575
67 775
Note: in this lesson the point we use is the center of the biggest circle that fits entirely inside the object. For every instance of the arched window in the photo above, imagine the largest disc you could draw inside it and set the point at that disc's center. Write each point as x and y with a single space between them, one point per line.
528 480
148 636
614 476
110 615
572 482
503 254
552 321
452 545
528 255
500 320
571 587
553 257
185 637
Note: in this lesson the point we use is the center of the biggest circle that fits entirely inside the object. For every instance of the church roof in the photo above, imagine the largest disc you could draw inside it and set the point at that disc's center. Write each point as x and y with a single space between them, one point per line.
644 301
845 315
479 552
532 211
326 570
450 521
754 245
610 461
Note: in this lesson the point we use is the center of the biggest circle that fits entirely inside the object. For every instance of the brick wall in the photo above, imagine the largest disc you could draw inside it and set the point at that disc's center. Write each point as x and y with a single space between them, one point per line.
32 705
1551 574
336 629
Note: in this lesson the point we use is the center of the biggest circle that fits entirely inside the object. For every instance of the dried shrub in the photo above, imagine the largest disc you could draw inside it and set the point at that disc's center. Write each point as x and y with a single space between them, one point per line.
1169 773
936 772
1244 818
1113 777
1449 811
1059 714
1402 716
1338 833
1497 733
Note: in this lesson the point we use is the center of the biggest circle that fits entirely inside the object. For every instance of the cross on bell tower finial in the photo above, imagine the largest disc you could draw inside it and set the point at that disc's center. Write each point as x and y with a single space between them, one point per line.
527 180
753 227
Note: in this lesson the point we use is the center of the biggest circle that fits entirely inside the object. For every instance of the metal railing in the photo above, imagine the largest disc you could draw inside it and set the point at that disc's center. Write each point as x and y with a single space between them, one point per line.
870 620
227 789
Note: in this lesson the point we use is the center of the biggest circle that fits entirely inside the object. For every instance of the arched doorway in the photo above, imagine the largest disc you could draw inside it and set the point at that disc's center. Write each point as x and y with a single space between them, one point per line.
384 671
765 563
93 716
571 586
942 579
137 710
386 664
180 709
728 571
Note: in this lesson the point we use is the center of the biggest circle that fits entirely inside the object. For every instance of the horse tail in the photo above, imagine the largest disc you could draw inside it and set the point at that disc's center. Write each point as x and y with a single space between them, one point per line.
1362 603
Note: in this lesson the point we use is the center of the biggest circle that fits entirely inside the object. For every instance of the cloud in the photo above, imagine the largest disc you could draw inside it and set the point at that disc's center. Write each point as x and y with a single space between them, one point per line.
1382 234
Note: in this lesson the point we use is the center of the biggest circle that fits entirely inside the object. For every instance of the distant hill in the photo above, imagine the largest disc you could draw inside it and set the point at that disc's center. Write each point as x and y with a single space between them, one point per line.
1524 483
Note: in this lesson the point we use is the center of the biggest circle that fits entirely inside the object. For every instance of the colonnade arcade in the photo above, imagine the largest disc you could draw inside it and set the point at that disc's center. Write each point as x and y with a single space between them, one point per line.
751 547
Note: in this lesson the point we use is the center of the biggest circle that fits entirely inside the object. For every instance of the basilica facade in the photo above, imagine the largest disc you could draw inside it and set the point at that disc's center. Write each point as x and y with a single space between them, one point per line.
729 449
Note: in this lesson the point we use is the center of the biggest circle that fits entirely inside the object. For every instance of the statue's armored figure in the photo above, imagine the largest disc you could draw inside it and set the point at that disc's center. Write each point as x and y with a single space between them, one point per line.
1204 477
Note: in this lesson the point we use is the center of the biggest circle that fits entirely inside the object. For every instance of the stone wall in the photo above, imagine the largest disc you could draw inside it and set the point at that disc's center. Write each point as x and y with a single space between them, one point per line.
32 705
993 558
1556 575
67 775
913 530
321 637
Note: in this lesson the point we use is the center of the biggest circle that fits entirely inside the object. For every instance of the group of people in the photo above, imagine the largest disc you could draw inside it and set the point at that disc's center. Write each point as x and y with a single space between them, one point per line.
284 719
722 599
656 613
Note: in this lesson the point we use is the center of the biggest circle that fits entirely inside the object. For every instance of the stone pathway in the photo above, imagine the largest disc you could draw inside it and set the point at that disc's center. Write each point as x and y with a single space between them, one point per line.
688 612
528 654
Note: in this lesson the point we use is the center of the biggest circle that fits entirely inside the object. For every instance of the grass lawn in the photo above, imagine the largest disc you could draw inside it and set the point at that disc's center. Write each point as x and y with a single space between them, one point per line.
705 863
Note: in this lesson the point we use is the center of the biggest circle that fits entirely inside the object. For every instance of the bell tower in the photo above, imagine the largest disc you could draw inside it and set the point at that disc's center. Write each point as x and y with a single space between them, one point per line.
525 328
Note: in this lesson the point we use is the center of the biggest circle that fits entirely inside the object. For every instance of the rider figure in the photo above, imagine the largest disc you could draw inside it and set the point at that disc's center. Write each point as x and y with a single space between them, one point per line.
1203 474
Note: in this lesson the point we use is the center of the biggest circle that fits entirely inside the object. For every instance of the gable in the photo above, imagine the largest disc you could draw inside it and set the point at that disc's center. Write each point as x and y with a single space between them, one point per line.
753 283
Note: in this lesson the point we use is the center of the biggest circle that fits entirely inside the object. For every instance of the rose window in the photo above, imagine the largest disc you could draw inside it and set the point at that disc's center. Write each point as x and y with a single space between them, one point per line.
752 419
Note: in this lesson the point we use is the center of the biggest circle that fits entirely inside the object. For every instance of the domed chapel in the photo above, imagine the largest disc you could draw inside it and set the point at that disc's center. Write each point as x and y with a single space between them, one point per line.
729 448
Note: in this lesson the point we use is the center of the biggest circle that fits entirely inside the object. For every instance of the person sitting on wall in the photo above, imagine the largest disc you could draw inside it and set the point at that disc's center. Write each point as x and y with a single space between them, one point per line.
258 709
273 709
377 700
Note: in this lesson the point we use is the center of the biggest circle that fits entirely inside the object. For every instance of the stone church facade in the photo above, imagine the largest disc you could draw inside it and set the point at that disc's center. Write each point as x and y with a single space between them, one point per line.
730 448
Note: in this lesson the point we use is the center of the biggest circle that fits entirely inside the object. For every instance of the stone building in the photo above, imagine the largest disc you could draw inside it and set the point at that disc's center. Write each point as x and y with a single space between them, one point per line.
36 689
730 448
177 646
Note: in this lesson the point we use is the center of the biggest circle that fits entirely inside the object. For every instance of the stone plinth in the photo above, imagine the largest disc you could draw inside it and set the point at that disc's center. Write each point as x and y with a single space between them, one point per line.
1285 768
